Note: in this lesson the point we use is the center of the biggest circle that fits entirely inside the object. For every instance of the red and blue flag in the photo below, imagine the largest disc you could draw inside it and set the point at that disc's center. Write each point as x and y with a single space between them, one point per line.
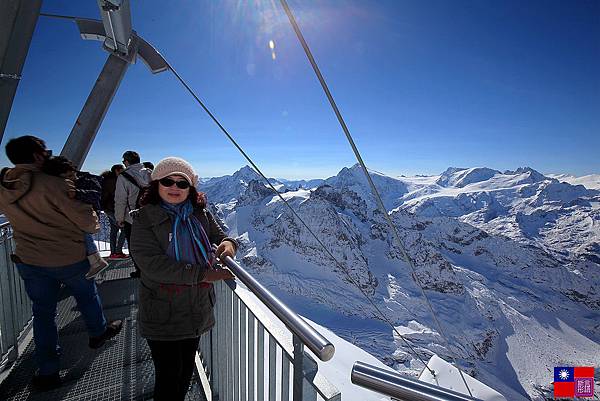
571 382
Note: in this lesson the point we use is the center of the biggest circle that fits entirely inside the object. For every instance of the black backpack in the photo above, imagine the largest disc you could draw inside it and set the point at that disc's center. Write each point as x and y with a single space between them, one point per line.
141 189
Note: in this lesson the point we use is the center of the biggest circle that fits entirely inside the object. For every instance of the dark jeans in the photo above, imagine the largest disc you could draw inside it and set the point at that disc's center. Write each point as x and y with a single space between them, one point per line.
173 367
117 235
90 245
127 229
43 285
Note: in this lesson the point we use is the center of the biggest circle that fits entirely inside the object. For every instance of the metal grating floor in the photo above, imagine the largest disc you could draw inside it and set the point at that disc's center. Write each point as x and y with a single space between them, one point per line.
120 370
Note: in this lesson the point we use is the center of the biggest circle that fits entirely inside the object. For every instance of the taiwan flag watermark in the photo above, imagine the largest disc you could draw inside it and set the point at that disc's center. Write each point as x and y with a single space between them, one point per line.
571 382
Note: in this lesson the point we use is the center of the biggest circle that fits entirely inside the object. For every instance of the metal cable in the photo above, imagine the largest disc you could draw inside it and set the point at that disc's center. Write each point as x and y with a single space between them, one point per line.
234 142
376 194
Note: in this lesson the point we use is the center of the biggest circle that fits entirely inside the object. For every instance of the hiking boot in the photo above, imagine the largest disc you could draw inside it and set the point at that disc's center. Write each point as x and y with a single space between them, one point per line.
97 264
46 382
112 329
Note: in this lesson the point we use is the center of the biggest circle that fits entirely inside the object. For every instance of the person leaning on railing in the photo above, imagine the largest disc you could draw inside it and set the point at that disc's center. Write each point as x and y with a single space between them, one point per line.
171 239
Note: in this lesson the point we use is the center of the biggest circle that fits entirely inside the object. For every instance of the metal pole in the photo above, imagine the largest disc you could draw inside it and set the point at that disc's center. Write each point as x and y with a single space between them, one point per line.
86 127
401 387
298 379
17 24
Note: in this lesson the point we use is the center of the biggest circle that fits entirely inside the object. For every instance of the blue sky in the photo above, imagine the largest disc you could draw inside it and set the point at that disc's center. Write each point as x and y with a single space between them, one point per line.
423 85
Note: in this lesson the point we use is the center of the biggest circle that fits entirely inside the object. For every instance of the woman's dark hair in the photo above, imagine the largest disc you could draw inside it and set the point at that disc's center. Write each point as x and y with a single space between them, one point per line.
116 167
151 196
57 166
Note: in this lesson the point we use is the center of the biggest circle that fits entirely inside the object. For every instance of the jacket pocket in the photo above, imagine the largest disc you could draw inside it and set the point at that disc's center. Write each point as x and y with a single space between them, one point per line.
153 310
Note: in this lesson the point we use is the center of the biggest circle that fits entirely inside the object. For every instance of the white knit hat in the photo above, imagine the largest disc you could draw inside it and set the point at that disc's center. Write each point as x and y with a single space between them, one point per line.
175 166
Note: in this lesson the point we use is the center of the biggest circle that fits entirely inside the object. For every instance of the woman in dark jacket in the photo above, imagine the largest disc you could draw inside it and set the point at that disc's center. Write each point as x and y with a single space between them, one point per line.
171 242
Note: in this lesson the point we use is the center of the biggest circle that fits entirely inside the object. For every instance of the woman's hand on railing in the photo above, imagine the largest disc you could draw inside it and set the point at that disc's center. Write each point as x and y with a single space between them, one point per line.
225 248
217 275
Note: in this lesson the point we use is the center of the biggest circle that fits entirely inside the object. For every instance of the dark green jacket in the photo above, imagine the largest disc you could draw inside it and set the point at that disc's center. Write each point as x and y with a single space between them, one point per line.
172 305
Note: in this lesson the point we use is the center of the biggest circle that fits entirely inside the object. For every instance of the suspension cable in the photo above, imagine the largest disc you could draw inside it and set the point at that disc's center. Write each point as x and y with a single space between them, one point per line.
374 190
266 180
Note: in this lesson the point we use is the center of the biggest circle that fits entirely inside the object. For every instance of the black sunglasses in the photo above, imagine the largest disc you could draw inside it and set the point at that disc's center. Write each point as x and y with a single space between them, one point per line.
167 182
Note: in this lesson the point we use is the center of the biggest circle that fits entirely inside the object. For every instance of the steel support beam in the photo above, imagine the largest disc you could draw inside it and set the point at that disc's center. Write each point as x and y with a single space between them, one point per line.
86 127
17 24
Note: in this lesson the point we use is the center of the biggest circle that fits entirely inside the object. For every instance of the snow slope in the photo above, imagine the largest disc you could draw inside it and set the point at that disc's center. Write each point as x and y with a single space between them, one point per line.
591 181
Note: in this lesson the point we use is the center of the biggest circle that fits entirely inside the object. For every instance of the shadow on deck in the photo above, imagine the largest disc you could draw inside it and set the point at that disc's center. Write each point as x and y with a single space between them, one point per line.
120 370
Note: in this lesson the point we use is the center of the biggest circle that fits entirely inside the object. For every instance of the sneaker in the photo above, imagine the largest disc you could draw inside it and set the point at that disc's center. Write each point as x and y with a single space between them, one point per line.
118 255
97 264
112 329
46 382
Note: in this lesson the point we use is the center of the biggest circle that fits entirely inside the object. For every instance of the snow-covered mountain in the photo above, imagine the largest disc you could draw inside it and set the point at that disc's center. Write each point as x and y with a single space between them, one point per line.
510 261
524 205
591 181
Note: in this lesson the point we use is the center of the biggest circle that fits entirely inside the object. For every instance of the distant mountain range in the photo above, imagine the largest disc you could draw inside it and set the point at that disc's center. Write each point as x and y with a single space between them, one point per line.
510 261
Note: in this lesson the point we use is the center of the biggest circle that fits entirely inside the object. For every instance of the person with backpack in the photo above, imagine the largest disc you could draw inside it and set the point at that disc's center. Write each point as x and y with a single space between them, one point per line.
107 202
48 226
129 188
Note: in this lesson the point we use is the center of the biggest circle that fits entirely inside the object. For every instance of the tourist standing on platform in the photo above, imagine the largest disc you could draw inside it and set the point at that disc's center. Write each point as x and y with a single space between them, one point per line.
171 242
48 228
129 184
107 202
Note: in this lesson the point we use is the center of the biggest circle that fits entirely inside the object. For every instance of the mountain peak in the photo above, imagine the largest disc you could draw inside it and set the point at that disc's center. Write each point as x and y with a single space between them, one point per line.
461 177
246 170
246 174
535 175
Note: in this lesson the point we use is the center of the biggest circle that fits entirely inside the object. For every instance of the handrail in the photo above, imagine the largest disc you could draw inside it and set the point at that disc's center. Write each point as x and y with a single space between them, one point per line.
318 344
401 387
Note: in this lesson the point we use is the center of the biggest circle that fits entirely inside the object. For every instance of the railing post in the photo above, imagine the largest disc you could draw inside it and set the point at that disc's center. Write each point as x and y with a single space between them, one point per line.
305 369
310 368
212 370
298 379
9 287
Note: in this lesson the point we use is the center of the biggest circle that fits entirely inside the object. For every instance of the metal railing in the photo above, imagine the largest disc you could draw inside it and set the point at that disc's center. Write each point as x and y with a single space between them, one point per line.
15 306
400 387
248 355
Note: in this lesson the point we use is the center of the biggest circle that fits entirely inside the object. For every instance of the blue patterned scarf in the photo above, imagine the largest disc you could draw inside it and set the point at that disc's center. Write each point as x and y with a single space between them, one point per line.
189 242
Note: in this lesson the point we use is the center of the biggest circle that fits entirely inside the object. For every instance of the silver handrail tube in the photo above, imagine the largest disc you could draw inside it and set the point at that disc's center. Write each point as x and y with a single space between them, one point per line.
401 387
318 344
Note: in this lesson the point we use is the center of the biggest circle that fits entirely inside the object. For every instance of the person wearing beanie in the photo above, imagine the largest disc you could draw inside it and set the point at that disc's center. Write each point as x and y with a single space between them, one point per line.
171 241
